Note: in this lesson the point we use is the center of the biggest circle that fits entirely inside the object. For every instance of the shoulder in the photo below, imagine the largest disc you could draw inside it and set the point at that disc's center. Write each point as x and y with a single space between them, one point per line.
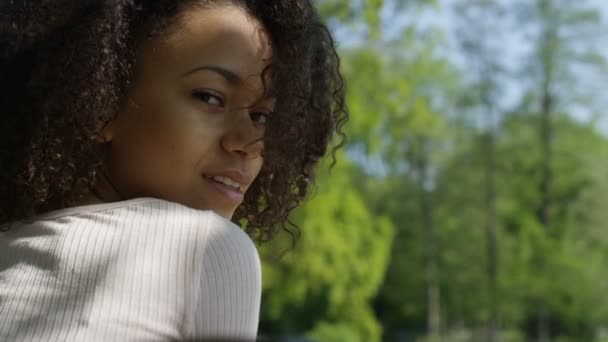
146 228
209 227
150 227
209 237
227 284
223 233
226 251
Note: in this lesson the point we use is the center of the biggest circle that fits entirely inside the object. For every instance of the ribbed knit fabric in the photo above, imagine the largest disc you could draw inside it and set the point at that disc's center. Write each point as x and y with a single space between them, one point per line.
138 270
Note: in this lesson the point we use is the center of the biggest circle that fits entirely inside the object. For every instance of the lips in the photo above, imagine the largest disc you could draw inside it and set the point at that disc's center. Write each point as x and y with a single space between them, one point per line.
229 182
230 185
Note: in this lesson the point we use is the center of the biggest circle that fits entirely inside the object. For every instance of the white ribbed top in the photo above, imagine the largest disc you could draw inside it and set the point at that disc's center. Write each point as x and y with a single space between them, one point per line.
138 270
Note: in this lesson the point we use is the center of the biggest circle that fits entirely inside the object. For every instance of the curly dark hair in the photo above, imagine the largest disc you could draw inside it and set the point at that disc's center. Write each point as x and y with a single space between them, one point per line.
65 66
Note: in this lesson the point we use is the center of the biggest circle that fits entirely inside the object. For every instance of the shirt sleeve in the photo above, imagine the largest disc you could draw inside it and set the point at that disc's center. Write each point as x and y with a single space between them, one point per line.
228 291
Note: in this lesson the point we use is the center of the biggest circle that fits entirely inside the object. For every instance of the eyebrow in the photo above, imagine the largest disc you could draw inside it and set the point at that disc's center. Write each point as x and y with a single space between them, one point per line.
229 75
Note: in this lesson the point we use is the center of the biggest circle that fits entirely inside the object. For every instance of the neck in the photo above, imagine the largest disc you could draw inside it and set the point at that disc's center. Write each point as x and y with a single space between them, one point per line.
102 191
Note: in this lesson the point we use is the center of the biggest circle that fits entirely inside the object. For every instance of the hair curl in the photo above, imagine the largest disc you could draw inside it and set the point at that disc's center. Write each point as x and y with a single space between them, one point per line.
65 67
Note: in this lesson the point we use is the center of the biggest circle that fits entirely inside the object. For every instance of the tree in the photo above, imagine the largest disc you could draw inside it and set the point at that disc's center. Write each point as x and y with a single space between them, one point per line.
440 177
405 135
555 25
479 29
327 282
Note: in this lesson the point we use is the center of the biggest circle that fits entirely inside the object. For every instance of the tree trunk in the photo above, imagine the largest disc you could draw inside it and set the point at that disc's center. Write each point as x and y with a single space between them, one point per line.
478 47
545 197
491 236
542 323
546 134
426 209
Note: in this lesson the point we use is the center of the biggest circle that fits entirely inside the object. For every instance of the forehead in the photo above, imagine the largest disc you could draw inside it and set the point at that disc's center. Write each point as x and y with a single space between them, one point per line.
226 36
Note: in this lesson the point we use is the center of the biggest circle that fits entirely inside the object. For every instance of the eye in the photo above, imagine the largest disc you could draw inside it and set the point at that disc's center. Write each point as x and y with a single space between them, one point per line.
209 98
259 117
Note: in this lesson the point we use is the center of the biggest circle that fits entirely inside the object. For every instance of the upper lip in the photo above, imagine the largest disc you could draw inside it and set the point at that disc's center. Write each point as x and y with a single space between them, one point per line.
236 175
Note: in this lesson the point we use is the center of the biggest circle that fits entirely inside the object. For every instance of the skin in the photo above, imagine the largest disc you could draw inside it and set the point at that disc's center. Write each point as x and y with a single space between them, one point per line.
195 110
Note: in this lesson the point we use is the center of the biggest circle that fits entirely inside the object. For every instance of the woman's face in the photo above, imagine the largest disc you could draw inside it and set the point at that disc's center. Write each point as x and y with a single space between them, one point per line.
192 129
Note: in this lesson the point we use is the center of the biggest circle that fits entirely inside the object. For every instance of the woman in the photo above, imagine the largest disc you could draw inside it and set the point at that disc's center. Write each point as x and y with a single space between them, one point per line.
132 132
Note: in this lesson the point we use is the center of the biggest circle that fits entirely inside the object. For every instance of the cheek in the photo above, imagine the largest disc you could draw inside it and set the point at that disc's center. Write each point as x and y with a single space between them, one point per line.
257 165
259 162
161 142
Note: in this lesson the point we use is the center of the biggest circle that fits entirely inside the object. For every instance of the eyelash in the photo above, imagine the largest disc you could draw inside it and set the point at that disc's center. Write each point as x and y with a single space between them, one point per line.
205 96
262 114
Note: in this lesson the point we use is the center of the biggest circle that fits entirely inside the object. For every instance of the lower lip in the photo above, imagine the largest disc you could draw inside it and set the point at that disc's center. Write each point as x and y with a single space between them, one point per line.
227 192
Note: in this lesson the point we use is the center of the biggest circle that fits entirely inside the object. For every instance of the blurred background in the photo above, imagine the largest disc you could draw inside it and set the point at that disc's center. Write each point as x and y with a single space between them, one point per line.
471 200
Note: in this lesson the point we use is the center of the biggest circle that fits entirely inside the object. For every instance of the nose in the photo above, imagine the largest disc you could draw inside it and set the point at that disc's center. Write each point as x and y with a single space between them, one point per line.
241 136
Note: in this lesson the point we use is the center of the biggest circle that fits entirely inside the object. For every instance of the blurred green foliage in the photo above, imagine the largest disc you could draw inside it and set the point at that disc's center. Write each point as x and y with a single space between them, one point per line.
359 271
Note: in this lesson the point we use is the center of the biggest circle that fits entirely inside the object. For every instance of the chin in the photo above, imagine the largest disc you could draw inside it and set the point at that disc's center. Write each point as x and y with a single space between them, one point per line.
227 214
